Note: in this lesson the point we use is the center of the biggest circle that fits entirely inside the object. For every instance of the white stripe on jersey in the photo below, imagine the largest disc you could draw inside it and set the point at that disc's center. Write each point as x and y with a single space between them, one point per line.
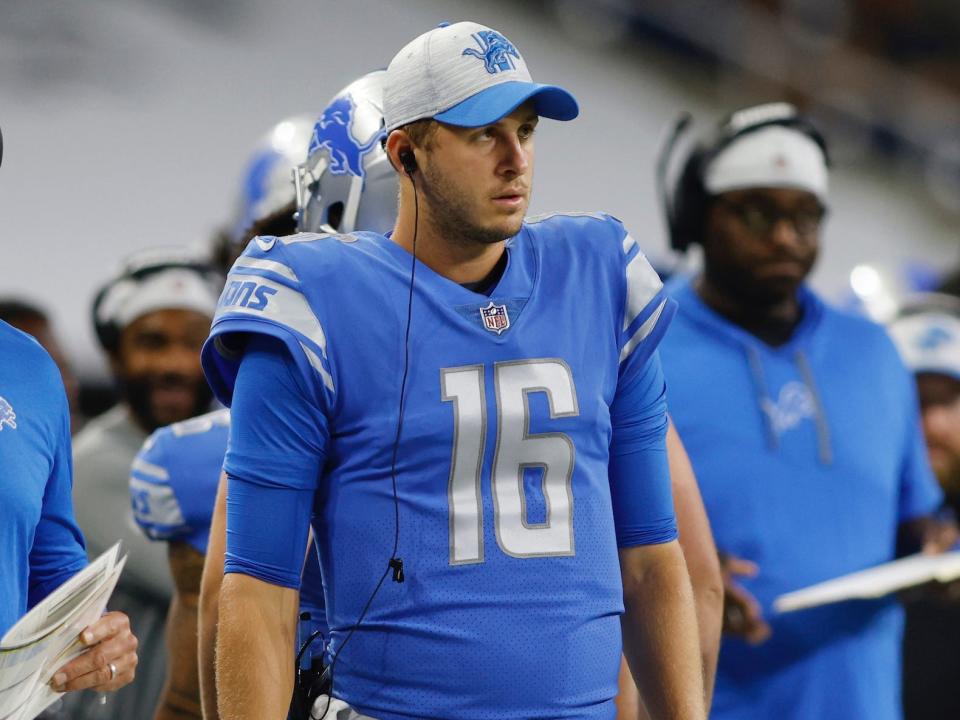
268 265
285 306
156 505
149 469
643 284
317 364
640 335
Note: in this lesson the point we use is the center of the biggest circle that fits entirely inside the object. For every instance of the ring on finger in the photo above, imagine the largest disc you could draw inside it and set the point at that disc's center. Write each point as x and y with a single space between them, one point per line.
113 671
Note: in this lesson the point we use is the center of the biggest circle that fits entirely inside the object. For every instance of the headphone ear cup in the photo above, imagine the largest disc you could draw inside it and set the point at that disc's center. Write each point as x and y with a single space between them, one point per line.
689 204
106 331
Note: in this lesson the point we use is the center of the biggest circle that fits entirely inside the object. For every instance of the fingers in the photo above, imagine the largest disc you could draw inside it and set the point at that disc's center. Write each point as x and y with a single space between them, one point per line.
109 641
742 615
734 566
941 539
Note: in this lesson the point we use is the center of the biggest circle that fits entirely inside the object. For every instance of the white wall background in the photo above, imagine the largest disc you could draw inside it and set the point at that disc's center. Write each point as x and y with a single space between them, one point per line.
126 125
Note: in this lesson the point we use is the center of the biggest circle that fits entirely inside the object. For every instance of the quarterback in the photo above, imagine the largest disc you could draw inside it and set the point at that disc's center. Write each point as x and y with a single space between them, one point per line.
472 412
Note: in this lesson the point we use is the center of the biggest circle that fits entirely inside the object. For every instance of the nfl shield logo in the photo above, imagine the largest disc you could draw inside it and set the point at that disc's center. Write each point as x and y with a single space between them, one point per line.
495 318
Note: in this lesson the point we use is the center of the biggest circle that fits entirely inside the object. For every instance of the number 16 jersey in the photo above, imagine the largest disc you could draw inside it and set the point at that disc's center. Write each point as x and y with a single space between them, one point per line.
531 446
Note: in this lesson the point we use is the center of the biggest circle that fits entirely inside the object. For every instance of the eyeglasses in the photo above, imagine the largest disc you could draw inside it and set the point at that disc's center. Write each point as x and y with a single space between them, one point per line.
760 218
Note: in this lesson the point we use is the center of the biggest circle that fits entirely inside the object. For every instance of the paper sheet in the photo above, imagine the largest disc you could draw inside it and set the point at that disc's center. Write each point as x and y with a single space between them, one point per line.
47 637
874 582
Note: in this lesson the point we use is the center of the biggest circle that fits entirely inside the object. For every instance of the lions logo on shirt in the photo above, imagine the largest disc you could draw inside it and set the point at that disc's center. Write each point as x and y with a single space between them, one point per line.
7 415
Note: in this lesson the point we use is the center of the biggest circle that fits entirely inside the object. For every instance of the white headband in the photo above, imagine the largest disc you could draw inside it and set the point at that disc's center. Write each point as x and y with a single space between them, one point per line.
774 156
172 289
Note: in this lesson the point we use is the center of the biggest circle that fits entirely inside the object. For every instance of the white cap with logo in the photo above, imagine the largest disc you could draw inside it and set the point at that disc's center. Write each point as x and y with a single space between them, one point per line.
929 340
468 75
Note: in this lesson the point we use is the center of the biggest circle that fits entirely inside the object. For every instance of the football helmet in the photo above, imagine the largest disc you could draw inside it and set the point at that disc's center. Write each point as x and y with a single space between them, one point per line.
266 185
347 182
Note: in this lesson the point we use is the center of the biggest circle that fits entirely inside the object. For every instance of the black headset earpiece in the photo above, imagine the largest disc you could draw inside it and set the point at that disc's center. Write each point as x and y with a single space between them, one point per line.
409 161
687 205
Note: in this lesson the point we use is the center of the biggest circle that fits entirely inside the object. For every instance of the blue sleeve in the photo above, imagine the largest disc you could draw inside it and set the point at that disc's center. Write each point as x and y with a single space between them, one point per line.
920 494
58 550
174 478
275 458
640 487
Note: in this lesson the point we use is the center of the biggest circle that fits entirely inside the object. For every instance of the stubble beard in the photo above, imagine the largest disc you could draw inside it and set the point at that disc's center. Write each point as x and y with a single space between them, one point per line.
450 212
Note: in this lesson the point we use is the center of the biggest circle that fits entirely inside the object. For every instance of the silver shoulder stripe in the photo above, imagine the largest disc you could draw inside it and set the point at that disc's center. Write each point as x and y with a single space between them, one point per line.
285 306
317 364
628 243
642 332
149 469
161 506
303 237
643 284
267 265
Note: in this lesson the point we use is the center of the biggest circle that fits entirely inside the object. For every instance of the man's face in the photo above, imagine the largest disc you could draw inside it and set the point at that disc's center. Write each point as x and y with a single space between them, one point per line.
761 243
477 181
940 408
158 364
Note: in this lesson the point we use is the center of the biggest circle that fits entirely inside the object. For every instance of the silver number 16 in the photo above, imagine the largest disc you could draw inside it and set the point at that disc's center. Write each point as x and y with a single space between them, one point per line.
516 450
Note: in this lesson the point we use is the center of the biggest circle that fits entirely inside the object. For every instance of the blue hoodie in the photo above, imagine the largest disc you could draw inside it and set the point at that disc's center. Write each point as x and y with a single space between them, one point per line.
809 455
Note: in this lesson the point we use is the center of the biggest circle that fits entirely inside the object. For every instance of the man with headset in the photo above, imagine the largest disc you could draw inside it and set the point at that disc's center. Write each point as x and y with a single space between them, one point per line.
41 546
818 461
472 471
150 319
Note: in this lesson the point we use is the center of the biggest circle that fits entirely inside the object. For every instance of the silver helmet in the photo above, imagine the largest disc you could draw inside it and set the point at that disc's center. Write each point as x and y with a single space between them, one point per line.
347 182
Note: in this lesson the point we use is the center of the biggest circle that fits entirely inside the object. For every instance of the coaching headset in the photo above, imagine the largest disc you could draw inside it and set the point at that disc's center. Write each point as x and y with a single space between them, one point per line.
686 207
135 270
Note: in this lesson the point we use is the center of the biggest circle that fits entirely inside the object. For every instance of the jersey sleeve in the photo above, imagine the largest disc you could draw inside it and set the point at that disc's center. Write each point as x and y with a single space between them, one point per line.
640 488
263 296
173 483
275 458
58 550
647 311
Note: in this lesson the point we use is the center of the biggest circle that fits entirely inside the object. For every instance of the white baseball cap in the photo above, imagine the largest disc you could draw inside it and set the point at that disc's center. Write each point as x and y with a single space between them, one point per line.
774 156
465 74
929 342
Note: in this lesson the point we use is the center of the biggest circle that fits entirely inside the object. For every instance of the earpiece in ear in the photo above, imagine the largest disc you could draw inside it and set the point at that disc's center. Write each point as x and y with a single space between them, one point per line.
409 161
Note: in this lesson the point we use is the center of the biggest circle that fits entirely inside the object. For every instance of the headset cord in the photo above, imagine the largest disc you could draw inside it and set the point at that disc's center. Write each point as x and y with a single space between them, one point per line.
395 564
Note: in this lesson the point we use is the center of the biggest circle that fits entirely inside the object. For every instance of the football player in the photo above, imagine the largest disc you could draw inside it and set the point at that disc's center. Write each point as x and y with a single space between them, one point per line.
473 413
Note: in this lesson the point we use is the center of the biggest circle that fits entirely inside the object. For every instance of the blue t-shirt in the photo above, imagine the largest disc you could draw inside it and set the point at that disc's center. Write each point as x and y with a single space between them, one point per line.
809 456
532 445
40 543
173 489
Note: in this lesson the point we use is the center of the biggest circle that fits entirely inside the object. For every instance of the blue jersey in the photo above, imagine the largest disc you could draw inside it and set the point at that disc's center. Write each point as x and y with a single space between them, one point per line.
532 444
817 460
173 489
40 543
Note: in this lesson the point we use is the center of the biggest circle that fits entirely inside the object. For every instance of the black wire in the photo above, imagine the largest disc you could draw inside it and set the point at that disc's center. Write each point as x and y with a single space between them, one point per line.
391 565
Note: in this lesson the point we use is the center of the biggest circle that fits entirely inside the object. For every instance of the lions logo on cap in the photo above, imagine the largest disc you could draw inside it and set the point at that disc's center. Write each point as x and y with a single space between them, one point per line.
495 50
332 132
934 337
7 416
